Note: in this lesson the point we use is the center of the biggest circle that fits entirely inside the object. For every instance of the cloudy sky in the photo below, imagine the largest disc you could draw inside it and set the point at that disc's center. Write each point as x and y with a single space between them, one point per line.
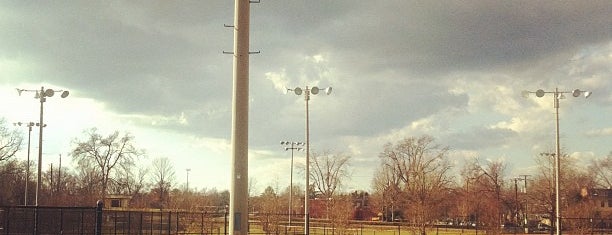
450 69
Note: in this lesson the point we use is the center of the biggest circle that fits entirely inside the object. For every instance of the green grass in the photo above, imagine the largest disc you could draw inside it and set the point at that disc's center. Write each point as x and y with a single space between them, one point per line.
255 228
388 231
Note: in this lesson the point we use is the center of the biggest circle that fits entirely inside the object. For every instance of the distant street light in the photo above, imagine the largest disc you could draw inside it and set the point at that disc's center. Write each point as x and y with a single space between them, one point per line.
307 91
42 95
188 170
293 144
557 95
27 178
525 214
516 208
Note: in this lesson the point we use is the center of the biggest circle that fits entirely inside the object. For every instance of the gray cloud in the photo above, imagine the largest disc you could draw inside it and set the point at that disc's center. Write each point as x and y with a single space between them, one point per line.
390 62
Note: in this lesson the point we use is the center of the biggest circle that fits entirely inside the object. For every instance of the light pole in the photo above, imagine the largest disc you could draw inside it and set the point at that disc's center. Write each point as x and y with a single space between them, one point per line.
526 213
187 170
557 95
293 144
307 91
27 178
42 95
517 206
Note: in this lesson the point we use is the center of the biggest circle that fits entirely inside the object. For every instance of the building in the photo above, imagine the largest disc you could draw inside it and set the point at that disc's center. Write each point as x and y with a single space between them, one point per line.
117 201
603 201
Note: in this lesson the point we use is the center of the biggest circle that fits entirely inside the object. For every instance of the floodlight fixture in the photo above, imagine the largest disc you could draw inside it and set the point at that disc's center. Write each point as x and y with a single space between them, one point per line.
298 91
308 91
314 90
560 96
49 93
328 90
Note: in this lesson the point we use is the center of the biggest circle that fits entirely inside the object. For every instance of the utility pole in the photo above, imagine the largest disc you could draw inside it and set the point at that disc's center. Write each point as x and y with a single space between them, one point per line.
238 213
240 122
526 212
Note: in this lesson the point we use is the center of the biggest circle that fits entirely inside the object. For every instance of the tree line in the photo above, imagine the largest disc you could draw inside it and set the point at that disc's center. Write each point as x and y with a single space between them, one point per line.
415 182
102 165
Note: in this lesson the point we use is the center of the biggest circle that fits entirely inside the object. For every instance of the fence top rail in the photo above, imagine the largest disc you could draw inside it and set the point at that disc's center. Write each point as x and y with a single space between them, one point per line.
51 207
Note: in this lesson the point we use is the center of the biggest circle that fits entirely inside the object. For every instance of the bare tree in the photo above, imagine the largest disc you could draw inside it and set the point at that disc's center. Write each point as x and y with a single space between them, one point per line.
163 177
129 181
601 170
10 141
487 183
575 184
105 154
386 186
270 209
542 191
342 212
11 178
328 171
88 180
424 173
252 186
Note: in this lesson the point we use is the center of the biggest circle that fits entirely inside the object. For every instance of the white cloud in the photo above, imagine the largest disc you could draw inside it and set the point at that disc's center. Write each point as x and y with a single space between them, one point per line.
600 132
458 80
278 79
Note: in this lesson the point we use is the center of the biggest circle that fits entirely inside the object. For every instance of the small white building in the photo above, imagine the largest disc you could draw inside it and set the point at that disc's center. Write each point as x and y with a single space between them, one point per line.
117 201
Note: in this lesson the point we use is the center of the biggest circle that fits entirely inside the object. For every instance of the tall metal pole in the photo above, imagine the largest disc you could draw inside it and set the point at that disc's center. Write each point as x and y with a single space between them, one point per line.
516 207
307 91
525 214
187 185
25 200
59 174
42 96
291 187
292 148
557 165
40 146
556 96
240 121
306 194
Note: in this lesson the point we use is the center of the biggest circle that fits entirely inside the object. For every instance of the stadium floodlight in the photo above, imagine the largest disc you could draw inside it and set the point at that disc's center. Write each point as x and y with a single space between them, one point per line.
41 95
557 95
307 91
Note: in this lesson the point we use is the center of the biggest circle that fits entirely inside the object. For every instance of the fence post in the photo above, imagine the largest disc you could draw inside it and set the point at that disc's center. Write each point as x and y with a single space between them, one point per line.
202 224
7 224
225 222
399 229
170 221
99 206
36 220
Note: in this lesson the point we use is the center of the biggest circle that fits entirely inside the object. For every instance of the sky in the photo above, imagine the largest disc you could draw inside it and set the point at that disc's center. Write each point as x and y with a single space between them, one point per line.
453 70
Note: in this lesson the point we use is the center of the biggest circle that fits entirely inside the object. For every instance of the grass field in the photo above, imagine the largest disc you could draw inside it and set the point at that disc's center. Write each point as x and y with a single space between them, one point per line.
366 230
404 230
